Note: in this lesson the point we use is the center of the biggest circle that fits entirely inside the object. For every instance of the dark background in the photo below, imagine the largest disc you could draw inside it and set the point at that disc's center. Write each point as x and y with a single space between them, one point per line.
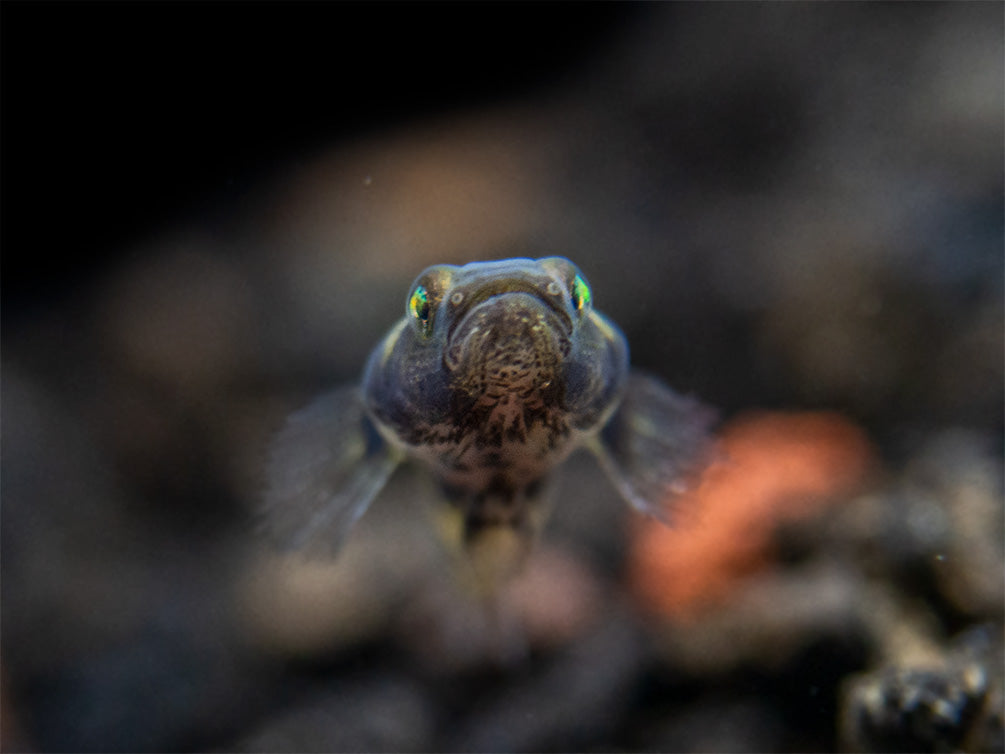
120 118
211 212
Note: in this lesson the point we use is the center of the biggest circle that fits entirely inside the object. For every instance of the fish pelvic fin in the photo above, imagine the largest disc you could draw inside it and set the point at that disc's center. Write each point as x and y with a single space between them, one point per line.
655 446
325 467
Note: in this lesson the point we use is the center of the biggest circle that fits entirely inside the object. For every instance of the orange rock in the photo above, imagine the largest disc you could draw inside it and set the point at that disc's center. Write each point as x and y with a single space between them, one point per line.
778 467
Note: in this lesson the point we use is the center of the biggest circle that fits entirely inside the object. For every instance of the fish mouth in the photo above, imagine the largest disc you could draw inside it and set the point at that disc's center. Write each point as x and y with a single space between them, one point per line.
506 331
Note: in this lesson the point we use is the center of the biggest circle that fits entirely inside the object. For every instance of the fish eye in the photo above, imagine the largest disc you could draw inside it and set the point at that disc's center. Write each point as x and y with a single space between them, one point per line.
581 295
419 308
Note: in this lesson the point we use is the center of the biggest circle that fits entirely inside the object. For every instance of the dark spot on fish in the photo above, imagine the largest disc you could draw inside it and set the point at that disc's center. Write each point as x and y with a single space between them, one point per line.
534 488
491 461
517 433
500 504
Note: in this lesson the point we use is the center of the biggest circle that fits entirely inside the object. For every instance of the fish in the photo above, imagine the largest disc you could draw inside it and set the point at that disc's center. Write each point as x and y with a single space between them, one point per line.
494 375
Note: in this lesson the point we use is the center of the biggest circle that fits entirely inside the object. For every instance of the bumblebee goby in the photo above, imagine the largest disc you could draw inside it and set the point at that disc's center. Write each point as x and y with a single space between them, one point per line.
494 375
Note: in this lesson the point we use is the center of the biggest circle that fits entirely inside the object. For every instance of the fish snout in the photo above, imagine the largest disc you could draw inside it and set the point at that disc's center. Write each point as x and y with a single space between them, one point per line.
509 330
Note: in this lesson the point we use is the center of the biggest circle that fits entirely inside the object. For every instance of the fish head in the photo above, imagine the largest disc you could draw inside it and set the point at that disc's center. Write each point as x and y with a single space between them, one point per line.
509 327
518 329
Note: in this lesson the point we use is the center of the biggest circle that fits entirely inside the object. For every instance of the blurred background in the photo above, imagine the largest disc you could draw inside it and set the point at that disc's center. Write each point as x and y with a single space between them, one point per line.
211 212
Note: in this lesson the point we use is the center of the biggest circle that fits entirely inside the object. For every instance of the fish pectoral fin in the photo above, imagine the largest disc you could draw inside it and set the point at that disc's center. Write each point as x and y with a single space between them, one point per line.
325 467
656 445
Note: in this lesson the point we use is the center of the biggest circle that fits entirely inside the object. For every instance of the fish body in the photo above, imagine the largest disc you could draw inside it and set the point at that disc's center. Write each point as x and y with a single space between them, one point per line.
494 375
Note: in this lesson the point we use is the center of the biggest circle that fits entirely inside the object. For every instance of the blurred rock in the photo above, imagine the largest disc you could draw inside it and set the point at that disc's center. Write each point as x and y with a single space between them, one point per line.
555 597
380 713
66 530
162 689
578 698
12 737
964 472
553 602
115 637
768 621
955 704
182 314
934 530
712 725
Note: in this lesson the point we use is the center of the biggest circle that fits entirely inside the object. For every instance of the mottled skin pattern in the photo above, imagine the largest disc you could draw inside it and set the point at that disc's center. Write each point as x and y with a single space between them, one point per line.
498 384
497 371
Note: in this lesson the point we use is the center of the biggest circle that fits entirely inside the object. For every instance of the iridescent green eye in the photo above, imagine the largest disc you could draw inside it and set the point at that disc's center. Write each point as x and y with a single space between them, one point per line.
418 306
581 295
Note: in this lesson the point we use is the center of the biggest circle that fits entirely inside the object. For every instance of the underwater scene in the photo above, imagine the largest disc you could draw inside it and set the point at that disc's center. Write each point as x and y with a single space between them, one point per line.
503 377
